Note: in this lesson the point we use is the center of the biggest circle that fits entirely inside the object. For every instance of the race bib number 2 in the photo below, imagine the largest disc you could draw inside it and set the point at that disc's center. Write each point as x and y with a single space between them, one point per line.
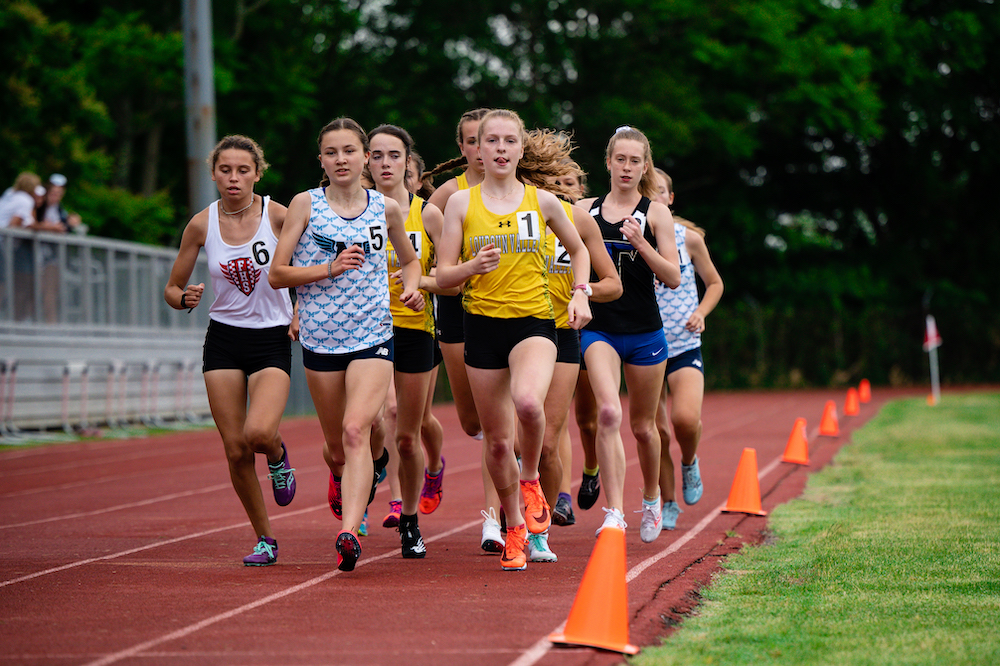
561 254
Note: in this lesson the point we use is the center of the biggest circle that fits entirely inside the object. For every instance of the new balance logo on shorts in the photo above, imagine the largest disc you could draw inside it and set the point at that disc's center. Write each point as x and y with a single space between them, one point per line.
382 351
696 363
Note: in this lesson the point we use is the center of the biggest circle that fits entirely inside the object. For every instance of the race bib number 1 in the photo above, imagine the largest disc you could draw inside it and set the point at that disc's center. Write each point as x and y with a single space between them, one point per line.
528 225
416 240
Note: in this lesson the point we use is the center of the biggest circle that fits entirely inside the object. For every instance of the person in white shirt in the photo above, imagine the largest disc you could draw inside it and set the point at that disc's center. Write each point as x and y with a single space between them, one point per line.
17 209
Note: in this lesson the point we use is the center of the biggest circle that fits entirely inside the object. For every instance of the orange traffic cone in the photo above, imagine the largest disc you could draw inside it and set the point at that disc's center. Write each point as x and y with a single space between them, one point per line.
599 617
865 391
852 405
797 449
744 497
828 426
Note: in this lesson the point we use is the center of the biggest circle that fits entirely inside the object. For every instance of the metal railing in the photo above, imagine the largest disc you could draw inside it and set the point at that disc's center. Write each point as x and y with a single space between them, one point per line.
82 282
86 338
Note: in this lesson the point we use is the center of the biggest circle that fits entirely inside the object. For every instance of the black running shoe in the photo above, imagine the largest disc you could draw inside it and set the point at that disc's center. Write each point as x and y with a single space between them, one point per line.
562 514
590 490
348 551
413 543
380 465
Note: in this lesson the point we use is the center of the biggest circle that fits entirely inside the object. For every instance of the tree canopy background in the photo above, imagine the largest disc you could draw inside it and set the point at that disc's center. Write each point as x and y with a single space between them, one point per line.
841 155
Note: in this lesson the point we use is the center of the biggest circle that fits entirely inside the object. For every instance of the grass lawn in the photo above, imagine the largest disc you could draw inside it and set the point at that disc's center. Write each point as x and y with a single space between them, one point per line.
891 556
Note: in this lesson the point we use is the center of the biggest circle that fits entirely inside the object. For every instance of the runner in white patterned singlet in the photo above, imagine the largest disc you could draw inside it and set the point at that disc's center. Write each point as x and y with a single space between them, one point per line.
683 322
333 251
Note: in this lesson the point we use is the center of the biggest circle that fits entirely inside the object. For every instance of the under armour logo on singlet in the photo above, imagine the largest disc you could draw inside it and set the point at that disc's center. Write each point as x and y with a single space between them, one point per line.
503 222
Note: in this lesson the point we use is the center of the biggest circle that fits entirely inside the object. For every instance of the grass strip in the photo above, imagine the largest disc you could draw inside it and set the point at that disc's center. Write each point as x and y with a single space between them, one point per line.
891 556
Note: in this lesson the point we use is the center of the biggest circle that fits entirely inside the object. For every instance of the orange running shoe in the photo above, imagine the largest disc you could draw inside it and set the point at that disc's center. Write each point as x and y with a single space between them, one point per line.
430 495
536 509
512 558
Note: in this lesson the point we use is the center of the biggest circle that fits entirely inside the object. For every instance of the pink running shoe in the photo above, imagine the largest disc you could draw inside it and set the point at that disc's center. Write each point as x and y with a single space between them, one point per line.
395 510
333 496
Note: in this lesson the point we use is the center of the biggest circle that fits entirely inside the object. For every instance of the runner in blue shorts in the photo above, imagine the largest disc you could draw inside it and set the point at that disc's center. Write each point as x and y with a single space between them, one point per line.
628 333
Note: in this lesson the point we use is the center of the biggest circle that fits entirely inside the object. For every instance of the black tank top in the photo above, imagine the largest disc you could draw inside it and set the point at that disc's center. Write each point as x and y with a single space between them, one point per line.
636 311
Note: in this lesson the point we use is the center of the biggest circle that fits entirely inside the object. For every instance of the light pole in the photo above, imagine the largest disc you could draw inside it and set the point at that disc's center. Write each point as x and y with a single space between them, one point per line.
199 99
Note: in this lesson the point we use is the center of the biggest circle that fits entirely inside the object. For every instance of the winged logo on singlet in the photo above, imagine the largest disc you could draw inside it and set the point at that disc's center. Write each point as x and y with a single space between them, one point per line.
335 247
242 273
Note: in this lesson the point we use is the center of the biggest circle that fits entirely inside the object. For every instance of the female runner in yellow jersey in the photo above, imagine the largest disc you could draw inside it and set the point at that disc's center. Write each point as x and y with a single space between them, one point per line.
450 330
498 229
449 320
391 150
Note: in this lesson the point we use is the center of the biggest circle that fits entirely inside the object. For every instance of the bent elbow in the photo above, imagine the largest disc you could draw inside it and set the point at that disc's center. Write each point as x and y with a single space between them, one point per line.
617 290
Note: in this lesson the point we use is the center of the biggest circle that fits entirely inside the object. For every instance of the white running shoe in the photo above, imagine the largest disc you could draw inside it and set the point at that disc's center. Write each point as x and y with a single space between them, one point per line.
492 540
652 521
612 518
538 548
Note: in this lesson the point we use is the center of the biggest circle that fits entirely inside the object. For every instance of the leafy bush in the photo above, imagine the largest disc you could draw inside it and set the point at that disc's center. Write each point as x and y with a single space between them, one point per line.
118 213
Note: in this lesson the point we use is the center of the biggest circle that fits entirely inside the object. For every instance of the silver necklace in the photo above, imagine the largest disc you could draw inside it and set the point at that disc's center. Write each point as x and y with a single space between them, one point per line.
236 212
509 192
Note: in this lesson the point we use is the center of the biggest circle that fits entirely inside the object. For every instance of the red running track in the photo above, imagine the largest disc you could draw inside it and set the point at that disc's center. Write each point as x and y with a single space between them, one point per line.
131 551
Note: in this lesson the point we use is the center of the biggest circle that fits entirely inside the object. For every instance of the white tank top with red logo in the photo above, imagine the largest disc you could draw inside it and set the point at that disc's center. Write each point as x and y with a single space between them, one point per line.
243 296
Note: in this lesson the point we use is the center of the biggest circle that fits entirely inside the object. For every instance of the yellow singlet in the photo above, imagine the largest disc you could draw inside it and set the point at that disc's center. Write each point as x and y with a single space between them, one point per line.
403 316
560 273
463 182
519 285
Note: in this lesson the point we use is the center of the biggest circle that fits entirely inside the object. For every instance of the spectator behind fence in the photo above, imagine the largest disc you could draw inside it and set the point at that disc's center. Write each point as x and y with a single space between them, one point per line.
52 217
17 209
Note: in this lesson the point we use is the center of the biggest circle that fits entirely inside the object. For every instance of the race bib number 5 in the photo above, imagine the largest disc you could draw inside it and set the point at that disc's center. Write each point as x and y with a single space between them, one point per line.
378 235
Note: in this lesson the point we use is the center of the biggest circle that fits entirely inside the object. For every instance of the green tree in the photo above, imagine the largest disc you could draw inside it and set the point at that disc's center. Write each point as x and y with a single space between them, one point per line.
52 115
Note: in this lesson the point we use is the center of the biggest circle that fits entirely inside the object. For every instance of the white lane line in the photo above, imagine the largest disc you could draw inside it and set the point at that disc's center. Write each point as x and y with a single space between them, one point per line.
119 507
533 654
221 617
167 542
